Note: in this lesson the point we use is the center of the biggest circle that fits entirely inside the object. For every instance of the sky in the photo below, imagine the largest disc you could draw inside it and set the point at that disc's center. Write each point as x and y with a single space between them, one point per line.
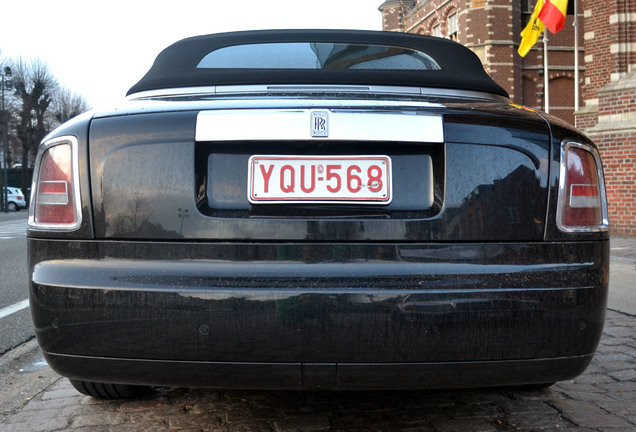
101 49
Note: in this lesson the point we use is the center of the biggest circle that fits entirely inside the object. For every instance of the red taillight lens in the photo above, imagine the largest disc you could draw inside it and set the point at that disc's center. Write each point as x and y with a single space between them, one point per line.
582 204
55 198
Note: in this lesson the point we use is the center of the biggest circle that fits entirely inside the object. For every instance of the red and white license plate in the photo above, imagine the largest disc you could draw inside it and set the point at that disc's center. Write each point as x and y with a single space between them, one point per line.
319 179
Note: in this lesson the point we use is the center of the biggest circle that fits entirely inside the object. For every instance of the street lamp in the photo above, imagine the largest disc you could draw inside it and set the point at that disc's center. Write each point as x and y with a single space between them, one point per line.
5 73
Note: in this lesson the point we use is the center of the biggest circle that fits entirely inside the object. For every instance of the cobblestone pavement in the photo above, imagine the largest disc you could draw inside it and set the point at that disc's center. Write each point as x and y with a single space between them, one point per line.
602 399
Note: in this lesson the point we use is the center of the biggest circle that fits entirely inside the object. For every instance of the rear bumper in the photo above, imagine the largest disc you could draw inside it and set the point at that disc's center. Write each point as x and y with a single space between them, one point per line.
319 376
332 316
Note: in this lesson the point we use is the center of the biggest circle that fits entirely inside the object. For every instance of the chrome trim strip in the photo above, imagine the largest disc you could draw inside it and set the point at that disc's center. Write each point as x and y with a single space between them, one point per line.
77 205
604 226
173 92
311 89
294 124
462 94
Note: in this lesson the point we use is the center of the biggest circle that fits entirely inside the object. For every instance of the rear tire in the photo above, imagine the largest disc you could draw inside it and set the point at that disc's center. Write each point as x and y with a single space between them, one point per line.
12 207
110 391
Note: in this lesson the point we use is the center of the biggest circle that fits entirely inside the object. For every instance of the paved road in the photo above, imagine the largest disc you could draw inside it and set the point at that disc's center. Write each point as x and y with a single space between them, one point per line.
15 318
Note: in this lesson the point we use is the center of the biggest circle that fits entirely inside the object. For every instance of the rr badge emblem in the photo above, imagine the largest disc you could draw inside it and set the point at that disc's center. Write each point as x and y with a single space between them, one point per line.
320 124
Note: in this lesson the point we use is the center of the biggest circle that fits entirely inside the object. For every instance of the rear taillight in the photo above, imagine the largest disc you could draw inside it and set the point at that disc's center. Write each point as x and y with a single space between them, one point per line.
582 205
55 202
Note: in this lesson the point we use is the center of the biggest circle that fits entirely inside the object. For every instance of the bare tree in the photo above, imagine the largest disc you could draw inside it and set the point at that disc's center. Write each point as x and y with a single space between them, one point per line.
7 123
35 86
34 105
66 105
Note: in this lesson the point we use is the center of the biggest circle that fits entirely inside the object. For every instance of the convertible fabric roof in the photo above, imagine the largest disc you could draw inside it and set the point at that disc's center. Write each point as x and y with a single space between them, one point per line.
176 66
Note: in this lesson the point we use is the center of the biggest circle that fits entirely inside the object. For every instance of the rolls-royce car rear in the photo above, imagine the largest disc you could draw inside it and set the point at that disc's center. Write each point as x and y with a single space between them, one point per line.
317 210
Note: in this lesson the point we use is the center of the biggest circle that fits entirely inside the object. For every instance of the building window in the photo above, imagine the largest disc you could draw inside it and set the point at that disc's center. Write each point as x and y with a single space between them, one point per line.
525 7
452 27
479 3
437 31
526 12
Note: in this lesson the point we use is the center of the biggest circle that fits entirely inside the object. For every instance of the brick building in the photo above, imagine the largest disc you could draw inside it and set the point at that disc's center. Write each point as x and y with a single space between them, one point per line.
491 29
609 113
607 54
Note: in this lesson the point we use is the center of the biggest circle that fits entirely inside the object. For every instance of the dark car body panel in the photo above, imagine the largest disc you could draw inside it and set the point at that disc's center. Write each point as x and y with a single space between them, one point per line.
319 304
507 150
173 277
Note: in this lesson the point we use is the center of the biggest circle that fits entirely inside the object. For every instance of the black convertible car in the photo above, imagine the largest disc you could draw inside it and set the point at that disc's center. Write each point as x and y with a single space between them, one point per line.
317 210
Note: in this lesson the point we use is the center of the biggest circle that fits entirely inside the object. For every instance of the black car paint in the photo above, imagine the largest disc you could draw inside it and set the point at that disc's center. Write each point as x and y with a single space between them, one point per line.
288 304
244 300
507 154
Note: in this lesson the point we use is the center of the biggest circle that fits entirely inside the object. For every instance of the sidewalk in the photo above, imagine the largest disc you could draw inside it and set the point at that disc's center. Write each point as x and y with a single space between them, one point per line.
623 248
622 293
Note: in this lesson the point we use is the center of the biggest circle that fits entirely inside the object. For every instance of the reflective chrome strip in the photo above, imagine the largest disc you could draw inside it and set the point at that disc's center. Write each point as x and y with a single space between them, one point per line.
291 124
173 92
311 89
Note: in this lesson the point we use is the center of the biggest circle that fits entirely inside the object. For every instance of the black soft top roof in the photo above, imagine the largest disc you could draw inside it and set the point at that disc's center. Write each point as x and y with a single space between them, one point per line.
176 66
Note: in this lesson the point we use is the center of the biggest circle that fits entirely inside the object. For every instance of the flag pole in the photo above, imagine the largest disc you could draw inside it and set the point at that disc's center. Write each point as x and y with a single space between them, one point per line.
576 55
546 79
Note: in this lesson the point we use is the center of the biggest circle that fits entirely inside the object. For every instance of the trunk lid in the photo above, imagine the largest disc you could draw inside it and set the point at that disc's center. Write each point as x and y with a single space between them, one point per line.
460 171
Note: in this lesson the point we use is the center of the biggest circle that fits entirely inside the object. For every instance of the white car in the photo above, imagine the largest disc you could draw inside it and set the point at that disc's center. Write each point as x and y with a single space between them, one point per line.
15 199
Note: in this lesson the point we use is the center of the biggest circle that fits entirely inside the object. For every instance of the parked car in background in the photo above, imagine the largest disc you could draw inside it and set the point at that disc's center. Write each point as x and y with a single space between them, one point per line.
15 199
338 210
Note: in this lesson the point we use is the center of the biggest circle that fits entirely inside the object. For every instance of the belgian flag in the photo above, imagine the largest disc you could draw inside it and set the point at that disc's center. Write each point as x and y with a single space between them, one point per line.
552 14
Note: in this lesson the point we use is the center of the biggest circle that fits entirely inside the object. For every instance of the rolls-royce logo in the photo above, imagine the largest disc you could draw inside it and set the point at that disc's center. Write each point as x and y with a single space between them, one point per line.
319 123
